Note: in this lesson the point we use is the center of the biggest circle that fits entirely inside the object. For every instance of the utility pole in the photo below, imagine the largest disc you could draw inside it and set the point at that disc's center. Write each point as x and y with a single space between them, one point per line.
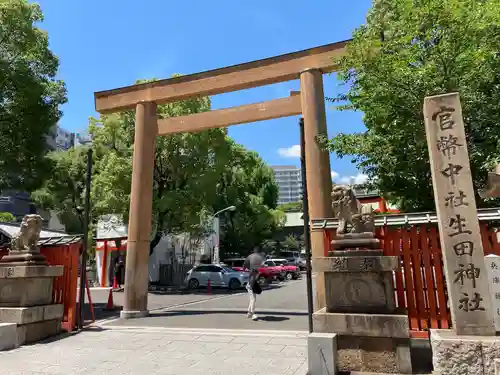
307 234
86 220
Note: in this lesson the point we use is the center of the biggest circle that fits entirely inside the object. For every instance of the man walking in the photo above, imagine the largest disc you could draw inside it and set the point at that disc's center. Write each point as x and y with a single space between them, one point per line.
252 263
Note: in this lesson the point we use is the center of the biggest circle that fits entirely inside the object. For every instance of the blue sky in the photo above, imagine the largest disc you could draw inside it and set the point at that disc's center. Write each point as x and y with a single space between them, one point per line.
108 44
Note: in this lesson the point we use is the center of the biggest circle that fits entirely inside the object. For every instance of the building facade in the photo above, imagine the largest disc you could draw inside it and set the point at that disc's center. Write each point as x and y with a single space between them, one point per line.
60 139
19 203
374 199
289 180
64 139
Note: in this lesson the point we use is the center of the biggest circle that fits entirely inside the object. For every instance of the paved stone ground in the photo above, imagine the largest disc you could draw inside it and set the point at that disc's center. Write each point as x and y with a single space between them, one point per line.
162 351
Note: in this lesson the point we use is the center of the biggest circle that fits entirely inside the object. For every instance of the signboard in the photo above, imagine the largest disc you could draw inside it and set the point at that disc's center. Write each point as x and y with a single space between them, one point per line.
493 268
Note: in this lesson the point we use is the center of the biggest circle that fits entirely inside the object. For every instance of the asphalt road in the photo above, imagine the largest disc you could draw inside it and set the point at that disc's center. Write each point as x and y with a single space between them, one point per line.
156 301
281 307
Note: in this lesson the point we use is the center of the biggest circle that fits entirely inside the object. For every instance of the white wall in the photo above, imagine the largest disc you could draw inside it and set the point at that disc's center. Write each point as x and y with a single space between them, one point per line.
111 226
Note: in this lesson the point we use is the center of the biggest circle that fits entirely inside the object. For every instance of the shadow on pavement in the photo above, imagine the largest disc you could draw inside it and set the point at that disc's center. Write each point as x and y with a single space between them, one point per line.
100 312
197 292
203 291
271 315
268 318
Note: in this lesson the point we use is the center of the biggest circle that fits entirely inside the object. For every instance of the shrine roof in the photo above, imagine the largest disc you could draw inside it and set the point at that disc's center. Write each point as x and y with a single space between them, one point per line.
11 229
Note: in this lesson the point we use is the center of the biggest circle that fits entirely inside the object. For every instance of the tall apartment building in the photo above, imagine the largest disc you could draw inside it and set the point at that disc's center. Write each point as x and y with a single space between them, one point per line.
60 139
289 181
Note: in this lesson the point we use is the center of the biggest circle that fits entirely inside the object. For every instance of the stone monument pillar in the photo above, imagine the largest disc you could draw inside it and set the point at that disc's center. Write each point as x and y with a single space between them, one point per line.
472 342
26 288
360 307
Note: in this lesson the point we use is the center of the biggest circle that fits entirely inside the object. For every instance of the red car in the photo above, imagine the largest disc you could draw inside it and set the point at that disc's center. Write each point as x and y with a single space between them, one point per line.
266 274
292 272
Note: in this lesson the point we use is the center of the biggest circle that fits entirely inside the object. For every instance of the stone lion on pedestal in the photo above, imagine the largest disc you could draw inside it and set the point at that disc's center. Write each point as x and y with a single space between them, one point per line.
347 208
29 234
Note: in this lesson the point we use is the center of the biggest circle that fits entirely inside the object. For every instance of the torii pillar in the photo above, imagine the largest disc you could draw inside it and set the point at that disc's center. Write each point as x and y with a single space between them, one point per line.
319 180
141 204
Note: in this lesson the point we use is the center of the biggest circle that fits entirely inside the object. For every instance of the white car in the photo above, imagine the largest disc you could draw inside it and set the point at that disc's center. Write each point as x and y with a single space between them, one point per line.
218 275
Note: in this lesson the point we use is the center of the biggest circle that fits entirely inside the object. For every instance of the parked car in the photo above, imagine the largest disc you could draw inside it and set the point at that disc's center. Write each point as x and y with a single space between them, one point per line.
266 274
269 273
278 267
235 263
219 276
292 271
293 257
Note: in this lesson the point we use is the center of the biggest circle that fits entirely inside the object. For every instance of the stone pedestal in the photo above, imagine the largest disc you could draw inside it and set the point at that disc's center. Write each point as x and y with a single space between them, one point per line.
24 258
360 308
26 300
321 350
463 355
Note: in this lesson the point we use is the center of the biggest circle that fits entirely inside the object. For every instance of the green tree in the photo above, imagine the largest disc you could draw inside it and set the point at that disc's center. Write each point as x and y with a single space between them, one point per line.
247 183
7 217
292 243
291 207
30 94
186 169
195 174
408 50
63 191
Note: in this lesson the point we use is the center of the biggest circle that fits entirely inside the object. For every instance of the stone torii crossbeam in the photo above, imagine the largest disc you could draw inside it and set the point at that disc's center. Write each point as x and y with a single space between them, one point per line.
307 65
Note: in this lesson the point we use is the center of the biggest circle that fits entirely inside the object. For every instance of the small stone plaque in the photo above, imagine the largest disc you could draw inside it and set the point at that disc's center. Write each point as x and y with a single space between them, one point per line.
359 292
15 272
493 268
371 263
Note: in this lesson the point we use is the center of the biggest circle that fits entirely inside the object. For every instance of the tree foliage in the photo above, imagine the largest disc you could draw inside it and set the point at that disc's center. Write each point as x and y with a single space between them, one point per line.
407 50
186 169
195 174
291 207
7 217
292 243
63 191
248 184
30 95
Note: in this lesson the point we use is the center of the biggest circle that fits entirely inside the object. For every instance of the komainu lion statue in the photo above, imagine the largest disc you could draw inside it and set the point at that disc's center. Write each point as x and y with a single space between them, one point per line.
29 234
350 212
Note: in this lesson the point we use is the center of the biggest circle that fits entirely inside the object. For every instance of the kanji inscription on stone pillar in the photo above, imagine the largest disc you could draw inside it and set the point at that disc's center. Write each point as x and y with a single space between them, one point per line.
463 255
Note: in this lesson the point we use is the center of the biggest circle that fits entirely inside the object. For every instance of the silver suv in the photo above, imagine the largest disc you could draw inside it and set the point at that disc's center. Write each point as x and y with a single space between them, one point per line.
218 275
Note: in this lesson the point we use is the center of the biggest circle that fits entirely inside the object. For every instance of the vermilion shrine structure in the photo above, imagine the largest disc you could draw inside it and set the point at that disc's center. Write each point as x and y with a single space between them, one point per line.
308 66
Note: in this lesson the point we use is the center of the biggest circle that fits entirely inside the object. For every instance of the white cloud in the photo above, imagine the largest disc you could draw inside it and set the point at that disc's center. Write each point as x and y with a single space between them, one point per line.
359 179
335 175
290 152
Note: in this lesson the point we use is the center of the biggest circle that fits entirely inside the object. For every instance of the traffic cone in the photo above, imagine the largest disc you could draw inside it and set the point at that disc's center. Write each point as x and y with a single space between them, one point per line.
209 287
115 283
110 305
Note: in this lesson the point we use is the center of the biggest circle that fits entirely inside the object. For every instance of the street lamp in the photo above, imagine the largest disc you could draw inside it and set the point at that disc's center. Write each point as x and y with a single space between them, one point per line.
216 228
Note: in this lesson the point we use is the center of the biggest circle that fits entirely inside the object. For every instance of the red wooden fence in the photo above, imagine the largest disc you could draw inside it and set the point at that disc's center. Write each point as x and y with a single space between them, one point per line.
65 286
420 286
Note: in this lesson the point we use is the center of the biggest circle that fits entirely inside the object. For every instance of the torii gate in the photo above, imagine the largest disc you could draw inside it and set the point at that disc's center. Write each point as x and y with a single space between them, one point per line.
308 65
